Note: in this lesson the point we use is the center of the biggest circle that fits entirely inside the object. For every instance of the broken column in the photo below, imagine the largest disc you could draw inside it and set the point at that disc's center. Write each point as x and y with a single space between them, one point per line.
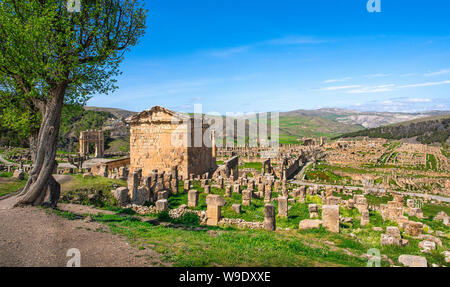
214 204
282 206
330 217
193 198
269 217
313 210
228 191
162 205
246 197
365 217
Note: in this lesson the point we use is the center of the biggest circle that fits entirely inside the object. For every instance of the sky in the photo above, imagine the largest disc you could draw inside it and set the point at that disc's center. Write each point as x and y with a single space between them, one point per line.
256 56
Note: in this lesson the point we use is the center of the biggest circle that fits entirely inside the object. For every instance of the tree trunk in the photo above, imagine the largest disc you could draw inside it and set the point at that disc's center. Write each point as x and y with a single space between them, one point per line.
41 185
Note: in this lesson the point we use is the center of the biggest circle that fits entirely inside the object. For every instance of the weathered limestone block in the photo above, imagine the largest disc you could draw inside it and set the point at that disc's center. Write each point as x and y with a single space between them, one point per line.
221 181
247 197
228 191
426 246
313 210
236 188
140 196
309 224
162 205
330 217
214 204
207 189
302 194
269 217
413 228
133 181
431 238
350 203
122 196
267 196
412 260
261 189
174 186
192 198
360 202
392 237
164 194
187 185
236 208
414 211
332 200
282 206
19 174
365 217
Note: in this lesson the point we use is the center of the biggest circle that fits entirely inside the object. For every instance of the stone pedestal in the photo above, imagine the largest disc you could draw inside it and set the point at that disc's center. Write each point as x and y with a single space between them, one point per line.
330 217
269 217
282 206
193 198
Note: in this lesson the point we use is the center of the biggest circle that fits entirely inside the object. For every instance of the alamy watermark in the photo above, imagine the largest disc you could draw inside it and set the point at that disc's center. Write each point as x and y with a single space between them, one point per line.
374 6
232 130
374 256
74 6
75 260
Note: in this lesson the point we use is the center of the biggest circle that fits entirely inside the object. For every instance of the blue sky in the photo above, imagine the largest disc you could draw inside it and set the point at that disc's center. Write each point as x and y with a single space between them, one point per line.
254 56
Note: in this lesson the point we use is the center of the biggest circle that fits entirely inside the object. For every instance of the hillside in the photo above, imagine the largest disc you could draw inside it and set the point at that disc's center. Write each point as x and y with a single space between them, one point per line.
425 130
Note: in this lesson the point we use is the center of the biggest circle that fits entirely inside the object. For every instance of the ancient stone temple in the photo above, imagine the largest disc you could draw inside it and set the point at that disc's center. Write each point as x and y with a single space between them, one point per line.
165 140
92 136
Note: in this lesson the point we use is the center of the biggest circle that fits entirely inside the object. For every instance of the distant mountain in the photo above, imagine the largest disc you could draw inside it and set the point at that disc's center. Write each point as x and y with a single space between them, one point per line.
118 113
426 130
365 119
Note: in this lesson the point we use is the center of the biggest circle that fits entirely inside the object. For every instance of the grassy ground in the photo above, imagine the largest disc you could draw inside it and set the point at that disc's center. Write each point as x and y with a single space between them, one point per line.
9 185
91 191
186 243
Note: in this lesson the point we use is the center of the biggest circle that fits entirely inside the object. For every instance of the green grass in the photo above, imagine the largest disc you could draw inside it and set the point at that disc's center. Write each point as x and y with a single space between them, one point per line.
254 165
79 189
6 174
10 187
213 246
431 162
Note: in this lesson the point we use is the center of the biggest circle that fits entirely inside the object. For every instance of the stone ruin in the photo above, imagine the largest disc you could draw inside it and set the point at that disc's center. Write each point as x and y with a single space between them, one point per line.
92 136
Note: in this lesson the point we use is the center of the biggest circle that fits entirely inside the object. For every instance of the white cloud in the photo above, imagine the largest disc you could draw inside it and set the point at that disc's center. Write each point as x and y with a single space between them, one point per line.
373 89
419 100
337 80
380 75
335 88
441 72
425 84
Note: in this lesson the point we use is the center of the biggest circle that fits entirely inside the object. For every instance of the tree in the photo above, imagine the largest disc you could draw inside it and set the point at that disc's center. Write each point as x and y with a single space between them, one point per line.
314 154
51 55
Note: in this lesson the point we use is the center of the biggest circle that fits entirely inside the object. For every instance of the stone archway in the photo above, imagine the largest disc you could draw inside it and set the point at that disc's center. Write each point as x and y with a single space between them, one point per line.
92 136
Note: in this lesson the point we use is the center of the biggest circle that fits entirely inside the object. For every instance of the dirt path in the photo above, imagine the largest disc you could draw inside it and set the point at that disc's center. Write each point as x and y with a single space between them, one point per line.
30 236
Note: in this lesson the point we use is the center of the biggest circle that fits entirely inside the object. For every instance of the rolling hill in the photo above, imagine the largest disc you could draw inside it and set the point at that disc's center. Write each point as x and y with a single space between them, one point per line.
435 129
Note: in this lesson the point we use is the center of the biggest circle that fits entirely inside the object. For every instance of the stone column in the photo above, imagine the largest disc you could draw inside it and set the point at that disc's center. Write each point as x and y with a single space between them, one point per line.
162 205
228 191
214 204
193 198
236 188
330 217
246 197
174 186
267 196
282 206
269 217
207 189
